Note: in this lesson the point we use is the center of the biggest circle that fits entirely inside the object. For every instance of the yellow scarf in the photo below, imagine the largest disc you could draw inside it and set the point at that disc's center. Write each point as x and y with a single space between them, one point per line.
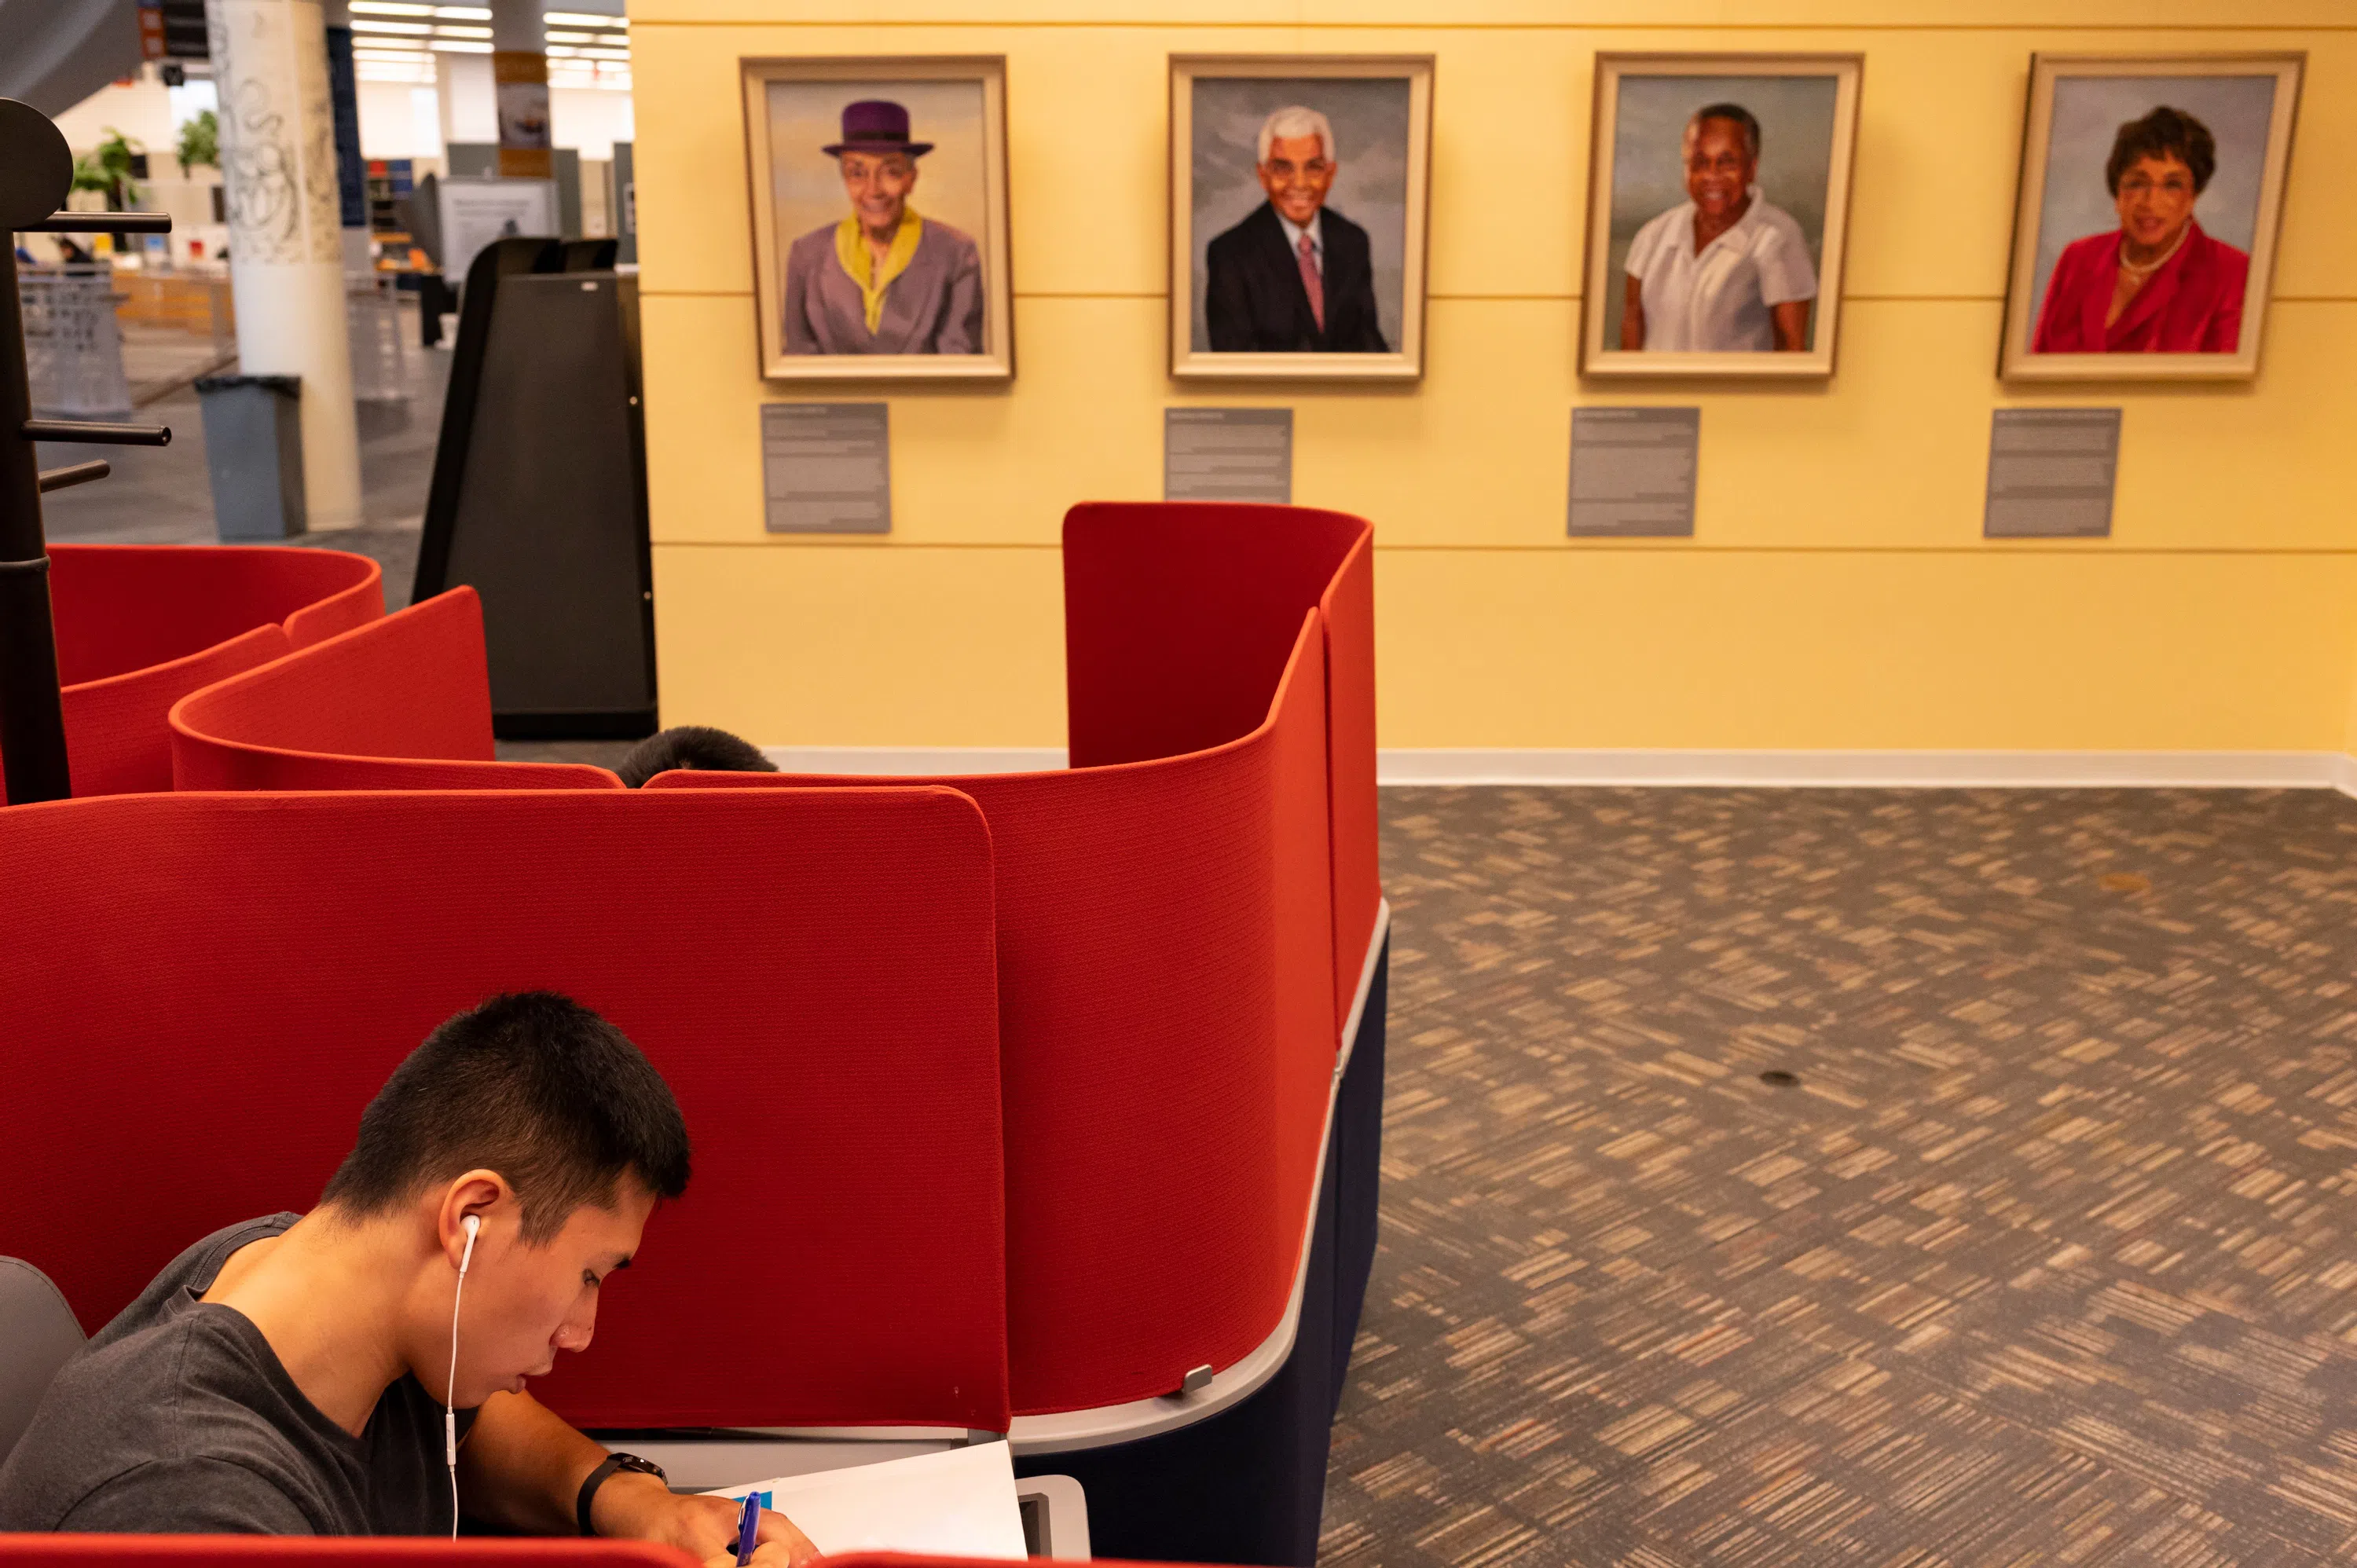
851 250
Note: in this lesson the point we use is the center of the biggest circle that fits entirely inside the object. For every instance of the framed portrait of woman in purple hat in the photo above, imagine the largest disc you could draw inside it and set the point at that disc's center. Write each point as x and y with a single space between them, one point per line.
879 218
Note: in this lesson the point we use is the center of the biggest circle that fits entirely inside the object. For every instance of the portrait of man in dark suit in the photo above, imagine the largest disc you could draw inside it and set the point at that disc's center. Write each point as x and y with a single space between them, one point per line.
1296 276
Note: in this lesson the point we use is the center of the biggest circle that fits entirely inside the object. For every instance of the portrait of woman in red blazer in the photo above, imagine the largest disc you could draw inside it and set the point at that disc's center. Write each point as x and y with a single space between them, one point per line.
2158 284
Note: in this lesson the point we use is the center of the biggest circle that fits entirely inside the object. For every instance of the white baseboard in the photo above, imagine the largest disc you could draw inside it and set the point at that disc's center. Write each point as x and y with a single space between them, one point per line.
1878 770
1767 769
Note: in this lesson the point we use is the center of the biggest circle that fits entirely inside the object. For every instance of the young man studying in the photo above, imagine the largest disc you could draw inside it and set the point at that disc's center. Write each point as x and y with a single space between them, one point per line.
290 1375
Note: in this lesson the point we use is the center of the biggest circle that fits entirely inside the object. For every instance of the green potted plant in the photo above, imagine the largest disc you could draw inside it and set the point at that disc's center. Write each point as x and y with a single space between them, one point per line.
108 167
199 142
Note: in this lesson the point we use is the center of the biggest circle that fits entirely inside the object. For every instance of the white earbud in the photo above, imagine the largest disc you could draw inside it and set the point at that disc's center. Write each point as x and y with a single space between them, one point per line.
474 1224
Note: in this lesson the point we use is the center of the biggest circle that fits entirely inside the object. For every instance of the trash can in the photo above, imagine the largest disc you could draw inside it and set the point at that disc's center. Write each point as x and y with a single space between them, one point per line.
254 448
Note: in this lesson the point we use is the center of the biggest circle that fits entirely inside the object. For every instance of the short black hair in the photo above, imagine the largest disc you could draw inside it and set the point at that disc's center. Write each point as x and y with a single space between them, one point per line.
533 1086
1736 112
2165 133
692 747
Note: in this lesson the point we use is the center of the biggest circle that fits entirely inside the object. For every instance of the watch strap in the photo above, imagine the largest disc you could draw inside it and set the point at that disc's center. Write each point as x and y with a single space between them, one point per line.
597 1478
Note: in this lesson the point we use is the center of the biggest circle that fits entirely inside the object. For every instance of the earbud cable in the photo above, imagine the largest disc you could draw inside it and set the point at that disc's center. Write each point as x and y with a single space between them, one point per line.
450 1395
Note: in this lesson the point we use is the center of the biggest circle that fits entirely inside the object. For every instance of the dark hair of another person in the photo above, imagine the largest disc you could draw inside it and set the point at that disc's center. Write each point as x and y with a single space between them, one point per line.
2165 133
1740 115
533 1086
692 747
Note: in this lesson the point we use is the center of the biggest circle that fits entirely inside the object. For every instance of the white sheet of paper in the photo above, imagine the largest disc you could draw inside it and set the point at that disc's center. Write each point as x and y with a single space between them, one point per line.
958 1502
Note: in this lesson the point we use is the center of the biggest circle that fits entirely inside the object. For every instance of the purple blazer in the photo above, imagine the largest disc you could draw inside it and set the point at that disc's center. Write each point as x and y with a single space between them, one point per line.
933 307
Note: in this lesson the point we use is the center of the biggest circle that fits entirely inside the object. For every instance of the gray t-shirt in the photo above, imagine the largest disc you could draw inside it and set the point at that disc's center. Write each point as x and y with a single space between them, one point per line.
178 1417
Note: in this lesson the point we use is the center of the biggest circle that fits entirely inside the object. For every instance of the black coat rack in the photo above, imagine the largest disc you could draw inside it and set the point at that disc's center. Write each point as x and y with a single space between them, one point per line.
36 172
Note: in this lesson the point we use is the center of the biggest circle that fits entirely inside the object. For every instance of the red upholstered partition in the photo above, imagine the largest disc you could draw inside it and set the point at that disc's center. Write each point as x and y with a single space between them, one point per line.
121 607
907 1559
1164 964
1177 616
331 1552
140 627
402 703
204 990
118 734
397 1551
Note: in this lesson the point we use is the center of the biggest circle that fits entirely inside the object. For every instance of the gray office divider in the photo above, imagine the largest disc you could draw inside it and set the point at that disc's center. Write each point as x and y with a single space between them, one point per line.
623 214
539 499
473 159
565 162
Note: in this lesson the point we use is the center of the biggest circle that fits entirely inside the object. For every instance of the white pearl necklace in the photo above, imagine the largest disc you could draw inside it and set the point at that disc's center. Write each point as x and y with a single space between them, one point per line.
2159 261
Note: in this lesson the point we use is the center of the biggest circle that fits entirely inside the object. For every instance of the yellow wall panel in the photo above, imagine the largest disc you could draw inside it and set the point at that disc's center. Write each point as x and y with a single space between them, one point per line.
863 646
1479 455
1939 146
1837 592
2136 19
1856 650
940 646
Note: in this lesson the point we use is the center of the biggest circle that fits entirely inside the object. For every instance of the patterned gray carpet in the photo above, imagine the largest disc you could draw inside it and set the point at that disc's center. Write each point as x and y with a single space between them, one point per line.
2045 1256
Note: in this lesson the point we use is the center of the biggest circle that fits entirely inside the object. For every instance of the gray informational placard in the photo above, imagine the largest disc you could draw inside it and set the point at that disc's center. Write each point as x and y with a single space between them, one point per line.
2051 473
476 212
1633 472
826 467
1227 455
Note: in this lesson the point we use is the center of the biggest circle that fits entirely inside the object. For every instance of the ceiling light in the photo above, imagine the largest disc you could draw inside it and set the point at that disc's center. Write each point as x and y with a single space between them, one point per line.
362 26
390 8
463 13
446 30
582 19
459 46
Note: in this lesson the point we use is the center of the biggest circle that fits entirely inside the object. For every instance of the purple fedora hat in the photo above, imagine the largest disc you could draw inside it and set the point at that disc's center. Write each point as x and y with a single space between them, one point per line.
875 125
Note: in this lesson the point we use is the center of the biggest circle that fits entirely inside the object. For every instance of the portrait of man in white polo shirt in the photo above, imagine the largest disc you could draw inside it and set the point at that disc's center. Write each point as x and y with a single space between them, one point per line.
1726 270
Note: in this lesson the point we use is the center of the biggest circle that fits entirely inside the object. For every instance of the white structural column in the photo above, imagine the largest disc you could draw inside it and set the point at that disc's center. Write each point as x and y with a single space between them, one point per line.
286 244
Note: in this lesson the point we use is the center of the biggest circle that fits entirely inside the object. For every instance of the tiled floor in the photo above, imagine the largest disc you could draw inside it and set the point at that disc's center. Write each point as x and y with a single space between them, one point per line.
2042 1259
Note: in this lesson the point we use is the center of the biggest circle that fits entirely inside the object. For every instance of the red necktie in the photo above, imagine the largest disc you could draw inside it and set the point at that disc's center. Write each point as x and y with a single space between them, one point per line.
1311 281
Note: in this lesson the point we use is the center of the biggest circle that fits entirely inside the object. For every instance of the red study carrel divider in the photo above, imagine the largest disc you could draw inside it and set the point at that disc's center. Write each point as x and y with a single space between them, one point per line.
907 1559
1177 618
327 1551
1168 1039
121 607
812 971
140 627
402 703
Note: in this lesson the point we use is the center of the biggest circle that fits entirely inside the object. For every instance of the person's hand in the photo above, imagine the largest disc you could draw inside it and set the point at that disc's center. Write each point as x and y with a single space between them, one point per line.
643 1509
777 1544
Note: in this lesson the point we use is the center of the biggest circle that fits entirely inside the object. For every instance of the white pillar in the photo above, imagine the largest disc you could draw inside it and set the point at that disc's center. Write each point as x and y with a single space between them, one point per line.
285 242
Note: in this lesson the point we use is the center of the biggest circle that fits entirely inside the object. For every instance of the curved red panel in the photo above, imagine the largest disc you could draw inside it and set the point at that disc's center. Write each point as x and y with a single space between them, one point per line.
1177 616
345 1552
120 608
835 1051
1167 1035
118 734
139 626
399 702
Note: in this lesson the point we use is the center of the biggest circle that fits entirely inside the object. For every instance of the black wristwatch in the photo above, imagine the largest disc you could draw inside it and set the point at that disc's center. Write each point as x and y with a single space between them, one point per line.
630 1461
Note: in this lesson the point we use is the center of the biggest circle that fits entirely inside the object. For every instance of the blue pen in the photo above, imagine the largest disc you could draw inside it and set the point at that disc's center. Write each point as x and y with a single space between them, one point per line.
749 1524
